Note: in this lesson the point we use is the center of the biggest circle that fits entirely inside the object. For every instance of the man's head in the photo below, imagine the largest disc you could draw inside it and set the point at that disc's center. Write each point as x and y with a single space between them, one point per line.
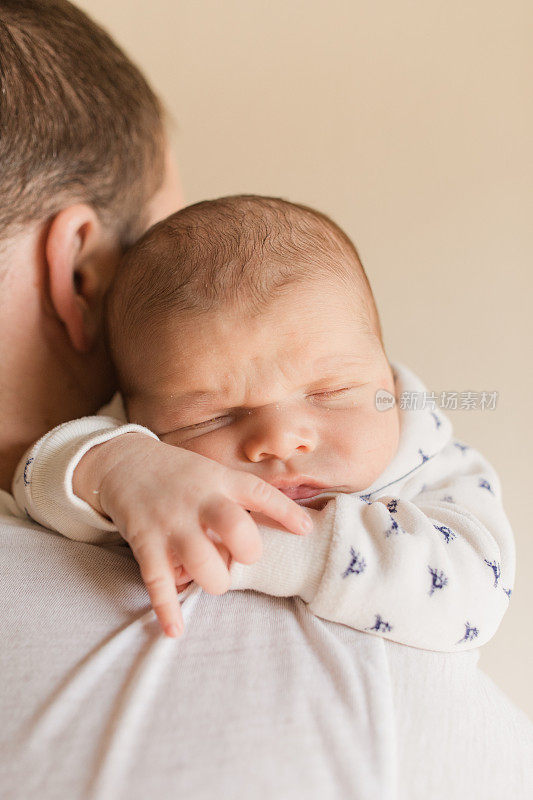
84 162
78 121
245 329
84 170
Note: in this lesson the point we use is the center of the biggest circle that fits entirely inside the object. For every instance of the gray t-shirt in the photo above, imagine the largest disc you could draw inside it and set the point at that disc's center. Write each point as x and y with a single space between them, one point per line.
258 699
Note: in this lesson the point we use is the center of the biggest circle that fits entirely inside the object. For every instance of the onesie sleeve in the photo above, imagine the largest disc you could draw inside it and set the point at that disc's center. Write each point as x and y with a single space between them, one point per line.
42 484
431 566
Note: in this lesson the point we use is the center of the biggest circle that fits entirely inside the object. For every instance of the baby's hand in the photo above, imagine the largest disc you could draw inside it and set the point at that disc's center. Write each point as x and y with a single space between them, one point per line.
165 501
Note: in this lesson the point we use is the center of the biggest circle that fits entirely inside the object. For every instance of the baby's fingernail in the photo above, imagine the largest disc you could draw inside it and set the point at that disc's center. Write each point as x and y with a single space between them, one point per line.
306 524
172 631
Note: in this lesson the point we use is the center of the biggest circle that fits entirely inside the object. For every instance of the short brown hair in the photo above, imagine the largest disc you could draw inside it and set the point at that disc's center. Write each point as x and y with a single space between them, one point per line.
78 121
240 251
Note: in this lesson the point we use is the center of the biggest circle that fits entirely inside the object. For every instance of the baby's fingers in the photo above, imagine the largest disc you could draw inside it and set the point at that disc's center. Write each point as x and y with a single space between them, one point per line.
235 527
257 495
203 562
159 579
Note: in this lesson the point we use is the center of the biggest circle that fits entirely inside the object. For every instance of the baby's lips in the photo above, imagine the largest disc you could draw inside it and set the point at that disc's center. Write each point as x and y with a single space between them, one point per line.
302 492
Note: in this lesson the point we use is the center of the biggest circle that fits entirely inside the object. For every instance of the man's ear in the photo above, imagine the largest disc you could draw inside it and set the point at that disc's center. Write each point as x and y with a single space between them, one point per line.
74 244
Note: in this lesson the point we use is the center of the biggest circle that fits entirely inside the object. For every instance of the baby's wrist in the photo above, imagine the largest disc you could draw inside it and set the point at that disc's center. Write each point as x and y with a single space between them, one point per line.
95 465
85 479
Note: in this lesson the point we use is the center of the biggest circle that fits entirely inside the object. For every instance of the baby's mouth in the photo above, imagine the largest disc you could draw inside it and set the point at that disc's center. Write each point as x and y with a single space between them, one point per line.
313 497
302 492
303 489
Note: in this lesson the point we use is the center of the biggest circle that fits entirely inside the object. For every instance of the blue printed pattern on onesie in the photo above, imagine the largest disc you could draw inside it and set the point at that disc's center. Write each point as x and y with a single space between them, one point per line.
438 421
439 580
357 564
27 472
394 528
496 568
392 507
462 447
380 625
423 455
446 532
470 633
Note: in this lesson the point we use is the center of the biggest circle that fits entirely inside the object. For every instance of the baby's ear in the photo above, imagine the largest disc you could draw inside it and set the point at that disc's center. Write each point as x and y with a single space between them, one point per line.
75 243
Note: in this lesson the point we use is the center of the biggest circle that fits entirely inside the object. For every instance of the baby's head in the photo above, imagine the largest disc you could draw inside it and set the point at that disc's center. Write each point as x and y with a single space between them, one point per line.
245 329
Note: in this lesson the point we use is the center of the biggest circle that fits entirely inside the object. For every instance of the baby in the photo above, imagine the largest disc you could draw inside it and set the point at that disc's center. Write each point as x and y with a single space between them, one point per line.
244 329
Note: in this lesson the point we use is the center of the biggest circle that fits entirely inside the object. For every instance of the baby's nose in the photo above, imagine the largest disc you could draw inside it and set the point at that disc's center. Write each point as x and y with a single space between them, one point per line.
278 438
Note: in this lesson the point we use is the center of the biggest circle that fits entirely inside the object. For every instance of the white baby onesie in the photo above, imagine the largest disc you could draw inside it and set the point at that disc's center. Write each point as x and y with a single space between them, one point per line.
424 556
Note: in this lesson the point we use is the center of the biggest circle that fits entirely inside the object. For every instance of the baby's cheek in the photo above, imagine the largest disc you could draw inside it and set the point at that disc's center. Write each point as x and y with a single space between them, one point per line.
385 436
211 446
370 443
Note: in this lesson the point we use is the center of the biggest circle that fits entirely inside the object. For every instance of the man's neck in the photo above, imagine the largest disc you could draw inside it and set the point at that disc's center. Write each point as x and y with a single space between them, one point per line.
35 396
43 381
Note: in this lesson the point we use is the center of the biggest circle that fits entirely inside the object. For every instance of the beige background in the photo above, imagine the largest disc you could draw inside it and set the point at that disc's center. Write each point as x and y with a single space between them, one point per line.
411 124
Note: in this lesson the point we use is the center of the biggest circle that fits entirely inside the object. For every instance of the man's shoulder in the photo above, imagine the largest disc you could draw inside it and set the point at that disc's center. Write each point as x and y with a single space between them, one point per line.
9 510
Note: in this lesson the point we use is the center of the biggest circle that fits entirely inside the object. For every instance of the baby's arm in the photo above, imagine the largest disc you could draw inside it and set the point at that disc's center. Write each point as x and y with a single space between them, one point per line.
42 483
89 482
432 569
415 567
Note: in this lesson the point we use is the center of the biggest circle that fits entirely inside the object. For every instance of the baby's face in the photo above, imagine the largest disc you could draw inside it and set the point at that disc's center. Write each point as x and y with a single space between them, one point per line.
288 396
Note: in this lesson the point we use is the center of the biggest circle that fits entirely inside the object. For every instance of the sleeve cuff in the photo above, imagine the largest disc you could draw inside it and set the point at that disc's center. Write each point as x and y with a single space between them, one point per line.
47 479
291 565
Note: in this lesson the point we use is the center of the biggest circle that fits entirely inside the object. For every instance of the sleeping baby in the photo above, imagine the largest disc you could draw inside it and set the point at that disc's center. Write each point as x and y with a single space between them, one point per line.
244 329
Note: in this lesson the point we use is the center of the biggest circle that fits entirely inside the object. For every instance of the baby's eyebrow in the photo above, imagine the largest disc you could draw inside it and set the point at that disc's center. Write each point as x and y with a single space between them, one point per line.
334 369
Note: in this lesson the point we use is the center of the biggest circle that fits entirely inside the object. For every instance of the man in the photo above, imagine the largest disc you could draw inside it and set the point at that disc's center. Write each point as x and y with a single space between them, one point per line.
258 698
